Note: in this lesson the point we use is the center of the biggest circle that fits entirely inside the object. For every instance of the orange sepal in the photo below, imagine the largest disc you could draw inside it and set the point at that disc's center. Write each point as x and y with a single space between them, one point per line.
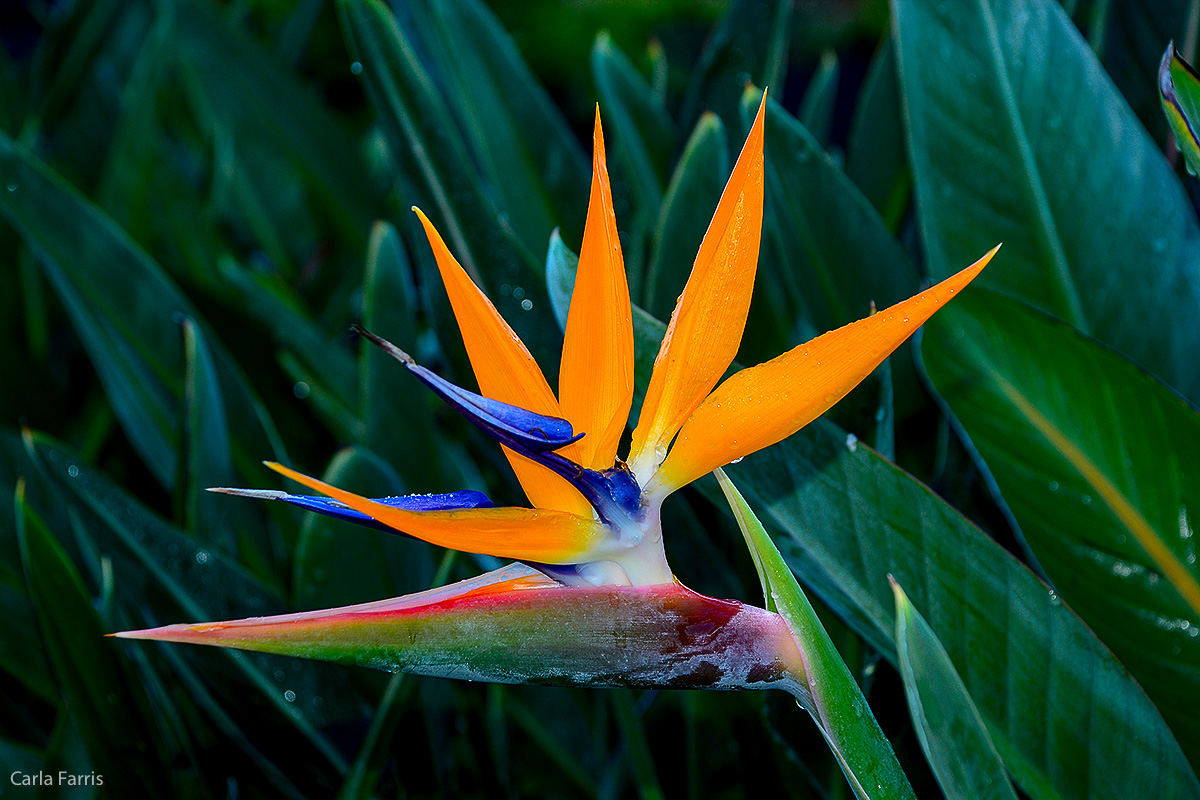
551 537
761 405
707 324
506 372
595 378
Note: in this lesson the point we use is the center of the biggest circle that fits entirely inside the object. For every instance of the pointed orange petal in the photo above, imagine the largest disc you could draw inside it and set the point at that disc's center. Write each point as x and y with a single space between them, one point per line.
506 372
706 326
761 405
552 537
595 379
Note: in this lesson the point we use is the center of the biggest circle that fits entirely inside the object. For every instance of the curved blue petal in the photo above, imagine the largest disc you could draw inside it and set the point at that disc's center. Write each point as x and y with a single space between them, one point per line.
466 498
613 492
515 427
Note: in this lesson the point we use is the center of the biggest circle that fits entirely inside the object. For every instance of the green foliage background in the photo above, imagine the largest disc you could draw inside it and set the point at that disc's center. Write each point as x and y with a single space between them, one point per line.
198 199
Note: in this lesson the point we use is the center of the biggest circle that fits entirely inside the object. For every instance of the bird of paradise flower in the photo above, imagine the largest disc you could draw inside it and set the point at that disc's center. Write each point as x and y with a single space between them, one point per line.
591 600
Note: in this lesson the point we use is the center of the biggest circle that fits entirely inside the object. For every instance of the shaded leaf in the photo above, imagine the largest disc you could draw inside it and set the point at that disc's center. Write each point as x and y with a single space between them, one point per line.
692 196
875 156
642 142
1044 129
1093 458
1129 40
435 159
126 313
528 154
105 707
820 96
953 735
561 265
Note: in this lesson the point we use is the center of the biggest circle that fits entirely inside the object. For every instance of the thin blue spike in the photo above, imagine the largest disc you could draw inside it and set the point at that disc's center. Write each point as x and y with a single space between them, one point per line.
413 502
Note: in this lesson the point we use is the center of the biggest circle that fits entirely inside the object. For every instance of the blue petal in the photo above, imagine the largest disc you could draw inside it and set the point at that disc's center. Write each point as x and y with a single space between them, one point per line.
515 427
411 502
613 493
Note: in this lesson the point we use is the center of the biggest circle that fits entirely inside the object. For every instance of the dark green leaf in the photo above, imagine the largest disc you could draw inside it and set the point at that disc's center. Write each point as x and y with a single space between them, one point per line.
396 410
1017 136
749 45
152 559
125 311
261 103
208 460
816 109
274 302
953 735
528 154
104 705
1093 457
642 140
690 202
435 159
875 157
339 563
1129 39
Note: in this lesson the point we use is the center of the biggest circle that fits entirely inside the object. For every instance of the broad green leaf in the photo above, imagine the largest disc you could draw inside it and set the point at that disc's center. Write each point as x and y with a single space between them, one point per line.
952 734
875 156
837 703
1094 459
641 138
844 518
816 109
436 164
1179 91
691 198
105 706
1018 136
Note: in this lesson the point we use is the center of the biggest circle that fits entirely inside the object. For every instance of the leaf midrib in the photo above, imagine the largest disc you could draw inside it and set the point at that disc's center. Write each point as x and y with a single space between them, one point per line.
1049 241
